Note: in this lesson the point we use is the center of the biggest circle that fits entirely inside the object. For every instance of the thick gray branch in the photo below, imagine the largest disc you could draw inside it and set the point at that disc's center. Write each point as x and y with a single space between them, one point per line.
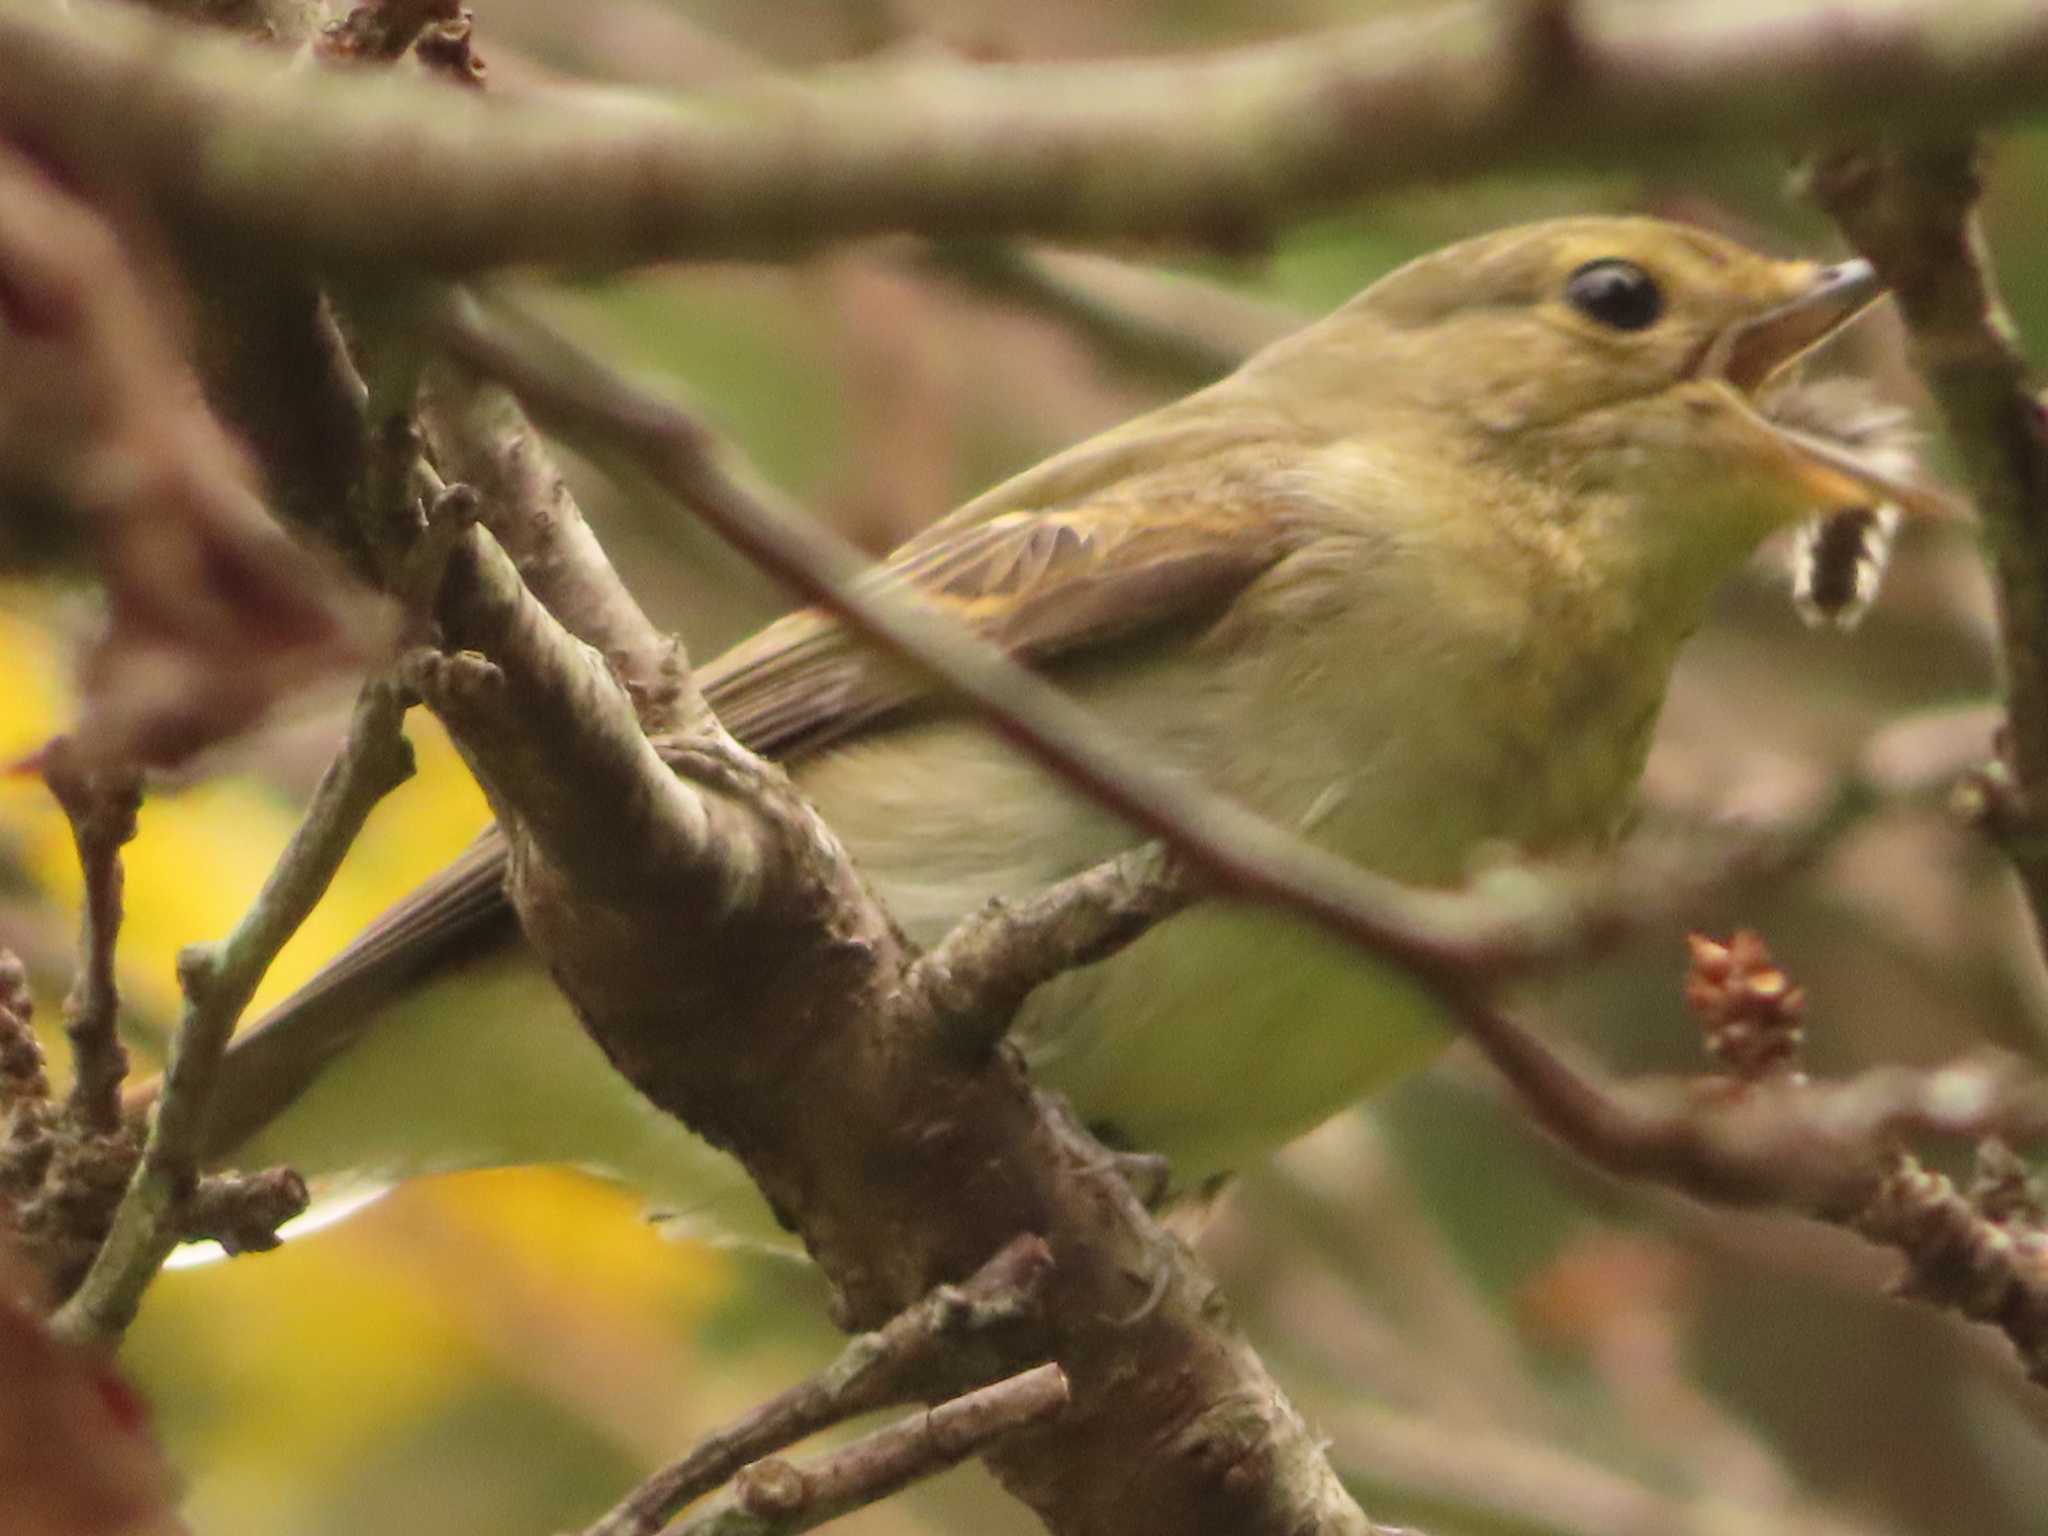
1219 148
555 741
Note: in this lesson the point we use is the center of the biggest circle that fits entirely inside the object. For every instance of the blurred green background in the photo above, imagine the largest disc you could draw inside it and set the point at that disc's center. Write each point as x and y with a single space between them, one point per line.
1495 1339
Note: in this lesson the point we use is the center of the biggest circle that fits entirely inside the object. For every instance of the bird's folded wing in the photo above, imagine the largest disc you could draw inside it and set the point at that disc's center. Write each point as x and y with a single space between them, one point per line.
460 912
1042 585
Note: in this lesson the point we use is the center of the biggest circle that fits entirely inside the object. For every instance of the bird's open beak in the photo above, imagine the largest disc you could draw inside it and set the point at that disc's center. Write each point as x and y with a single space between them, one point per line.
1753 353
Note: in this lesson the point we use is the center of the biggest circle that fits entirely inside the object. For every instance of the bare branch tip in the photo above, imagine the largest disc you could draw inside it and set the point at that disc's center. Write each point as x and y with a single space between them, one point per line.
243 1211
462 680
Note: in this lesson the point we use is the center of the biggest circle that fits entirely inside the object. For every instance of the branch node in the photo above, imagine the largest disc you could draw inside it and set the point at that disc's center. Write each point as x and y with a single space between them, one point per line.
381 30
448 48
450 513
771 1488
199 967
242 1211
462 681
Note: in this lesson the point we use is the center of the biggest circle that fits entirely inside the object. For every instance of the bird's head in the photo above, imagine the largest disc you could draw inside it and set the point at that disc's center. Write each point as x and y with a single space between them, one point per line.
1611 355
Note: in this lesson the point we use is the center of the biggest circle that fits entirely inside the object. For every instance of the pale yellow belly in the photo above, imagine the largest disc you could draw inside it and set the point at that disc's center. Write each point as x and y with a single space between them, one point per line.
1224 1033
1210 1040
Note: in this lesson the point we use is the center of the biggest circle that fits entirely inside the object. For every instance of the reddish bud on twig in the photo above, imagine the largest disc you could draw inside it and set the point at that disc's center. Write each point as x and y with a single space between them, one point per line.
1750 1013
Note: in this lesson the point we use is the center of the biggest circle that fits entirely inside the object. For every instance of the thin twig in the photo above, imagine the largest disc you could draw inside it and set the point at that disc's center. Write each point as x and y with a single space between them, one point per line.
892 1365
219 980
1816 1145
976 978
100 802
1828 1150
777 1498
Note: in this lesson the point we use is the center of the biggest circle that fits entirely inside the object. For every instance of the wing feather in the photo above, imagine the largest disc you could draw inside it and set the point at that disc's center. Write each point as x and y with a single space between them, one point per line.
1043 585
460 912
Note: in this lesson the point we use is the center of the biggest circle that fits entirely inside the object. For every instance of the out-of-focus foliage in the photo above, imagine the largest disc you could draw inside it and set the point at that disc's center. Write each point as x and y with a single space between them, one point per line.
1479 1325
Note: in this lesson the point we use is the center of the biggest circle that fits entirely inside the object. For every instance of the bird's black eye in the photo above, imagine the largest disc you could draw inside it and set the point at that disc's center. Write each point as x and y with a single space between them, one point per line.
1616 293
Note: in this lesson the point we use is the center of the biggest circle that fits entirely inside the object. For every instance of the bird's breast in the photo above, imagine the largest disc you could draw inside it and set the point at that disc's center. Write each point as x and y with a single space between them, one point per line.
1406 747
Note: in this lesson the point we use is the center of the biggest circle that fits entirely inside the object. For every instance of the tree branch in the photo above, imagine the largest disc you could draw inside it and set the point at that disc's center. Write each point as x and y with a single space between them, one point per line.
1912 212
903 1360
101 804
974 980
778 1498
1833 1151
482 439
1218 148
219 980
517 685
740 988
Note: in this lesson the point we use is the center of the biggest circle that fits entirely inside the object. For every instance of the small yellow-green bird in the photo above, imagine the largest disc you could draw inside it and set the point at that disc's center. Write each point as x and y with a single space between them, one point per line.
1411 581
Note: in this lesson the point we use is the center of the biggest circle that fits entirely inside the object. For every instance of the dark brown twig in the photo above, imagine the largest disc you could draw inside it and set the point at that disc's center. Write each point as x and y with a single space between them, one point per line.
1830 1150
101 803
